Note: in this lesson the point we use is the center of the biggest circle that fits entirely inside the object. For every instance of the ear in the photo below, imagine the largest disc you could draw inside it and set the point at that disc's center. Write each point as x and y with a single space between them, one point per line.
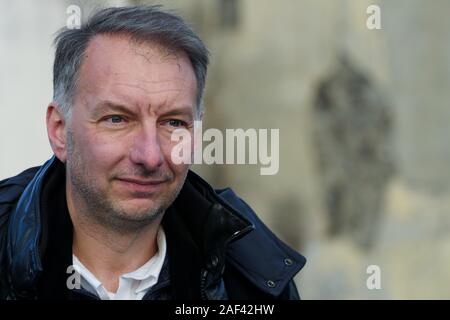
56 126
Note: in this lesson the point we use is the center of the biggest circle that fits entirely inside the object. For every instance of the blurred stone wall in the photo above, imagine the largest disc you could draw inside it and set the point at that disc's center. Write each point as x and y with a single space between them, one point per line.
269 65
26 56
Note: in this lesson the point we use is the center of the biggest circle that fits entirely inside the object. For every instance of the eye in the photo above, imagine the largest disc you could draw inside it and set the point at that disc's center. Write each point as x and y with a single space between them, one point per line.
115 119
176 123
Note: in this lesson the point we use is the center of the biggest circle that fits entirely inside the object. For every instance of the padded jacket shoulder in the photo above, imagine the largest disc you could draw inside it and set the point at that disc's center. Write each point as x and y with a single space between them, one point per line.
10 191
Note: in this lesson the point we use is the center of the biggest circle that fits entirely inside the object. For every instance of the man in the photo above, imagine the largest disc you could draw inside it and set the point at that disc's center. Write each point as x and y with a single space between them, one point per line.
110 204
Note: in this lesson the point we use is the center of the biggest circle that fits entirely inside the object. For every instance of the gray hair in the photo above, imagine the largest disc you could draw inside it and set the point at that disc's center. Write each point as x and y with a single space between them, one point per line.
141 23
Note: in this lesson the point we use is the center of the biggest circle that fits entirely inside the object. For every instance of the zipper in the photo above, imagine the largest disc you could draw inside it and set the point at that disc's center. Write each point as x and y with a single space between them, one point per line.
202 284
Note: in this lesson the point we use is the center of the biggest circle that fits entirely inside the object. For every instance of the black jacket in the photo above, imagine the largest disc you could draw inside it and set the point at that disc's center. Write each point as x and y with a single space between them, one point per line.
217 247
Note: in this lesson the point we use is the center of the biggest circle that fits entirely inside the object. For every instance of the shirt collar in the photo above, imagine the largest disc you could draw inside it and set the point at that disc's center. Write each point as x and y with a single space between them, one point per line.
147 274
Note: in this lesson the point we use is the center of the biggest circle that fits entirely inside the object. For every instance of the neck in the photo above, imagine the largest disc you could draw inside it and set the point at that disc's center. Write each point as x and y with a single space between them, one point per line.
106 252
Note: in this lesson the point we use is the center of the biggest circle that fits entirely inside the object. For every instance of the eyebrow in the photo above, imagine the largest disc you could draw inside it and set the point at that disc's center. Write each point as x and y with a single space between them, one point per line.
111 106
181 111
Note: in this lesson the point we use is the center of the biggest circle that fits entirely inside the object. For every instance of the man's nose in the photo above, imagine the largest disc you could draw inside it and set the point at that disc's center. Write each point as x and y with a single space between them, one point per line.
146 149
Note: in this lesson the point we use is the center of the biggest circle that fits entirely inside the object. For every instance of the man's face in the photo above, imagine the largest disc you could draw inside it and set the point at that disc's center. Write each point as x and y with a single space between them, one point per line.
130 98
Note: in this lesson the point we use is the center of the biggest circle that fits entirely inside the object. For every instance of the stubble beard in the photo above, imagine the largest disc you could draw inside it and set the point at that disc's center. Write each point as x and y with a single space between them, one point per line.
97 207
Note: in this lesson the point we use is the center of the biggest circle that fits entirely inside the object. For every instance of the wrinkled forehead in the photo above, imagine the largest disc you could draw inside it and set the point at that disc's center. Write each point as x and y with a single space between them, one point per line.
116 54
116 62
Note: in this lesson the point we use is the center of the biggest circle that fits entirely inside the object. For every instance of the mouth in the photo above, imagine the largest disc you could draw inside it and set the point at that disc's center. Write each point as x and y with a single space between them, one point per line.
141 186
142 182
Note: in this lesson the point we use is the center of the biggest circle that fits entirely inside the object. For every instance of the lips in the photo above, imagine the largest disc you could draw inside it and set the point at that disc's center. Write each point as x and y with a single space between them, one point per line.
142 182
141 186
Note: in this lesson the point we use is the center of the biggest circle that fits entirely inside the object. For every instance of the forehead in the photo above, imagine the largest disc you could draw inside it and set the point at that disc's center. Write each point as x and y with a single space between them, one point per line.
115 65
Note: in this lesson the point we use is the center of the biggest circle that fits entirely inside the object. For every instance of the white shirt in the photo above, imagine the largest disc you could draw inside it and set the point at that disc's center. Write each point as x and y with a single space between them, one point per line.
132 285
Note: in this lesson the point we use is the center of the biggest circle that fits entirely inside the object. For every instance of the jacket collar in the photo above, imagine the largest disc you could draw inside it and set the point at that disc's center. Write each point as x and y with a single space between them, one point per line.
24 230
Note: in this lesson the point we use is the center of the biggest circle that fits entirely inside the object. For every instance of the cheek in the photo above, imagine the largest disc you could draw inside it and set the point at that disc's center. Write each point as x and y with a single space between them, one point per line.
99 151
179 171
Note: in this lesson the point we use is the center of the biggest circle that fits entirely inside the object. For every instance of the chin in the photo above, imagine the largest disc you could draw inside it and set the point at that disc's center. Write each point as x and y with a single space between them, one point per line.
138 207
